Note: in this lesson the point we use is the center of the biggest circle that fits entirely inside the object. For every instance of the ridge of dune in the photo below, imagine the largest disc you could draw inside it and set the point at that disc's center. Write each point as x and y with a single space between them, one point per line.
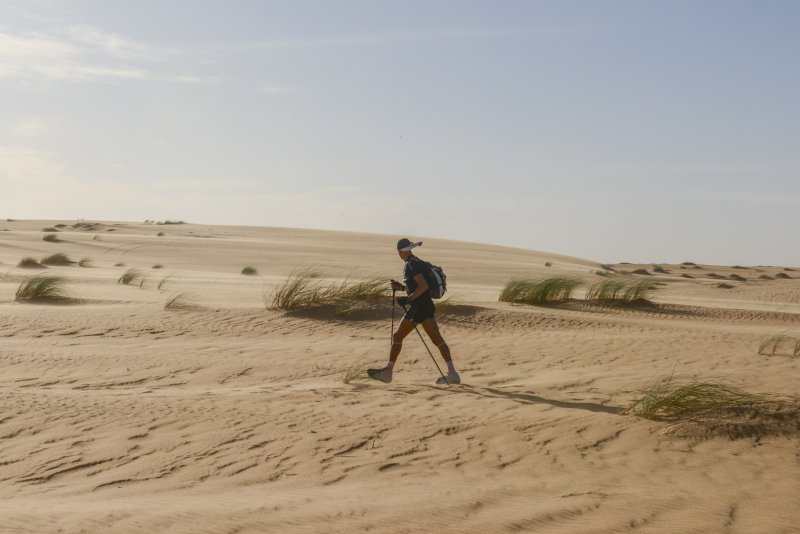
119 415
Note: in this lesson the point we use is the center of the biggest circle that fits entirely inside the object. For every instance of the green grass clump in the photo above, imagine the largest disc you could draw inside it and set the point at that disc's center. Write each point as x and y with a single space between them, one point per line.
366 289
617 291
607 290
130 276
544 291
302 290
670 400
250 271
299 290
30 263
57 259
181 301
41 288
779 341
85 262
716 407
639 291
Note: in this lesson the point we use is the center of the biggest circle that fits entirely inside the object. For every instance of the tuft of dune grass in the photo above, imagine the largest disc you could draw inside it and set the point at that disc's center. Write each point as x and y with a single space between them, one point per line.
302 290
158 266
538 292
249 271
41 287
181 301
607 290
356 371
299 290
716 405
57 259
51 238
669 399
639 291
354 295
130 276
30 263
163 281
779 341
49 229
85 262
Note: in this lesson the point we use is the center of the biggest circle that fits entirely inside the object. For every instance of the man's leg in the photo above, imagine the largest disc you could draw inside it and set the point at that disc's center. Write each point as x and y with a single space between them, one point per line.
432 329
403 329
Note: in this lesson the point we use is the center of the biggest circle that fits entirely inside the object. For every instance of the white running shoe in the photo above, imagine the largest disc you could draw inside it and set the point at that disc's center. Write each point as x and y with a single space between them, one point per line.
384 375
452 378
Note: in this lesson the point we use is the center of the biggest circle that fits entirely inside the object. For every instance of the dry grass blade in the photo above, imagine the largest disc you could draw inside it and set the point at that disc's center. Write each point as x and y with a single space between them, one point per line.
544 291
356 371
182 301
777 342
41 287
129 277
163 281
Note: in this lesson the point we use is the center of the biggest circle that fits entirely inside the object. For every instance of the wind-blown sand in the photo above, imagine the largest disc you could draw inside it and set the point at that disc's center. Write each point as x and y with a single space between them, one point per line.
118 415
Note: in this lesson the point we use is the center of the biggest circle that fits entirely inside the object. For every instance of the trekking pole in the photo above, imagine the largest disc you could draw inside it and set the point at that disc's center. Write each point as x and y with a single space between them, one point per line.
391 333
429 352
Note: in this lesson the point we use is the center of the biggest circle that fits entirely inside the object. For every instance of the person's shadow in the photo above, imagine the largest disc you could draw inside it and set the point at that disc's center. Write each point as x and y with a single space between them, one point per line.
529 398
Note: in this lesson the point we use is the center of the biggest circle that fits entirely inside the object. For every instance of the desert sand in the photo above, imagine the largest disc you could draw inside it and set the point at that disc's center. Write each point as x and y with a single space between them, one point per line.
120 416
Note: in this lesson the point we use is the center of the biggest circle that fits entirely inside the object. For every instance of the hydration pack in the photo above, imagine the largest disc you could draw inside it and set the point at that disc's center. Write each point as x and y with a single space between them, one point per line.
437 280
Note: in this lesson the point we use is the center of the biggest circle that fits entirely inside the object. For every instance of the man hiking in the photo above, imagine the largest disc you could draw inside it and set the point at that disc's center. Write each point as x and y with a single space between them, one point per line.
420 311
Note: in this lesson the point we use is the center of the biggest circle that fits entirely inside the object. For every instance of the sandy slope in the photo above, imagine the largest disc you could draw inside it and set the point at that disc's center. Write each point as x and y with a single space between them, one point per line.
118 415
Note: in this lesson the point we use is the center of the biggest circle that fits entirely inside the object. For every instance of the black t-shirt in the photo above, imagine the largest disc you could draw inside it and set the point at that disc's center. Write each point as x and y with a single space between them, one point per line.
413 267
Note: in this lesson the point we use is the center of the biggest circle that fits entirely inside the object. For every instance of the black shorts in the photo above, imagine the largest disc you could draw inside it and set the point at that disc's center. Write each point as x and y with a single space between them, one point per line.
420 310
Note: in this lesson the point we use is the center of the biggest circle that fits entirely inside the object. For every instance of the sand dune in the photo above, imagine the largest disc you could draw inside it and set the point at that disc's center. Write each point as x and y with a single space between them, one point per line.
121 416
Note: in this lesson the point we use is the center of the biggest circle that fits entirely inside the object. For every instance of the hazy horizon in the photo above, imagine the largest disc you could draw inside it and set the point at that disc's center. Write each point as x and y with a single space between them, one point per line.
615 131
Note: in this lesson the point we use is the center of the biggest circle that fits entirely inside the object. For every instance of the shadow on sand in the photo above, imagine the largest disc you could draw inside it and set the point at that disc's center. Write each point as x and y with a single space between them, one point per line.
529 398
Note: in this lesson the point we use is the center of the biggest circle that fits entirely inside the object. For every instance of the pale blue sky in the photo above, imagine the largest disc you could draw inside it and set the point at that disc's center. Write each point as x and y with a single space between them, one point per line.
656 131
